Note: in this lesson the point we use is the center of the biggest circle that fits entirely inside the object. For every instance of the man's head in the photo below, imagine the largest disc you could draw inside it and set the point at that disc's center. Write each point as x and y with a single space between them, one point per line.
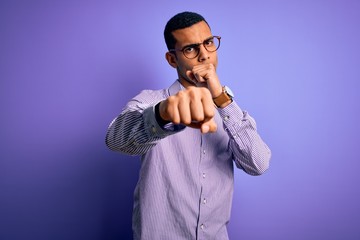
190 43
180 21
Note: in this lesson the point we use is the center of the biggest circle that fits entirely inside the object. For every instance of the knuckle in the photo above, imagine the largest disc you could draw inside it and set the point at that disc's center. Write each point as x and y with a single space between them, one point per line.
198 118
171 99
180 94
209 114
206 92
192 91
186 121
193 94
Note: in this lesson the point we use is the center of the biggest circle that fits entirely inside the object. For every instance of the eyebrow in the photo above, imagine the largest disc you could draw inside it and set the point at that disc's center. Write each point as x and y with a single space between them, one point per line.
197 44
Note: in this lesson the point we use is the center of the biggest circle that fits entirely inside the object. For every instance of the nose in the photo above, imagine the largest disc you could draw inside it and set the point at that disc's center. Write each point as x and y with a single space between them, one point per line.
203 53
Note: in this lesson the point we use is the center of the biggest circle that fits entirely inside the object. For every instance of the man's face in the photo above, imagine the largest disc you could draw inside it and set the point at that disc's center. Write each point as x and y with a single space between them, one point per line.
194 34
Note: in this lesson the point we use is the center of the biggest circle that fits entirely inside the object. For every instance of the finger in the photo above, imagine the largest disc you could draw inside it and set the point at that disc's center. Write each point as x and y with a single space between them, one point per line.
200 76
204 69
171 110
184 108
207 104
205 128
209 126
190 75
196 106
197 111
201 67
195 125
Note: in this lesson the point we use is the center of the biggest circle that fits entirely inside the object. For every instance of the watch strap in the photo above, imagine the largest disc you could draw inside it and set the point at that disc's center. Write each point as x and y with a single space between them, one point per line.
222 98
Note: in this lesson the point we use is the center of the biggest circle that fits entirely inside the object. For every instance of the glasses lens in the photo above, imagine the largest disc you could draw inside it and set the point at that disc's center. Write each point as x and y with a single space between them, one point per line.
191 51
212 44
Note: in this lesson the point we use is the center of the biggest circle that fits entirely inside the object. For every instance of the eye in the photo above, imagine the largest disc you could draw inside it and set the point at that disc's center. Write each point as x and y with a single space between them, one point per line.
189 49
209 42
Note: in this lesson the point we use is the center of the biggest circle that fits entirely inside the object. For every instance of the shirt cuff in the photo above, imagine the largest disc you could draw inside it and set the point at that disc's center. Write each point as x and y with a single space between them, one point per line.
234 118
154 129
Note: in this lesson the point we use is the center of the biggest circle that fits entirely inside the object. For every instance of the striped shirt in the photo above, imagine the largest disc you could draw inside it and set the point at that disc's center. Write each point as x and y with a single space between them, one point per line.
186 179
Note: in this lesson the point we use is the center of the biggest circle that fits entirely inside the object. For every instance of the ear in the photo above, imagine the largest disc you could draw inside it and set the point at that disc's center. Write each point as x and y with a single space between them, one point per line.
171 58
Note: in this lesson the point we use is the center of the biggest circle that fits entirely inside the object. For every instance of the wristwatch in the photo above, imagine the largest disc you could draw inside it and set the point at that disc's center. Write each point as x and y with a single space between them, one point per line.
225 96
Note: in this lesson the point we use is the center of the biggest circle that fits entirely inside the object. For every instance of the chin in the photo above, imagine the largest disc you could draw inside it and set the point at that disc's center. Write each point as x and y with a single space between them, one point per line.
201 85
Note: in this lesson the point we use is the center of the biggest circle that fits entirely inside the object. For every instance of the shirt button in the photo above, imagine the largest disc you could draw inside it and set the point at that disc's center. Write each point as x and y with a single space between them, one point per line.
202 226
153 129
203 175
204 201
226 118
204 151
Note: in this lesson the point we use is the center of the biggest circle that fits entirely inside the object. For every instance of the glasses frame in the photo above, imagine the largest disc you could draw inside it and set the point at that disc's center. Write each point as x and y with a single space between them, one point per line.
197 46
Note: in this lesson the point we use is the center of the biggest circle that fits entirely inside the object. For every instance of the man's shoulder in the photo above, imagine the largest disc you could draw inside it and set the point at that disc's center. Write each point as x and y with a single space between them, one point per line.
149 96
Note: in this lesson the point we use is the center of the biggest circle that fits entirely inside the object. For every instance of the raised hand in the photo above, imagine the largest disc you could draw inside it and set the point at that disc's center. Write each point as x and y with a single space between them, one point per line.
206 74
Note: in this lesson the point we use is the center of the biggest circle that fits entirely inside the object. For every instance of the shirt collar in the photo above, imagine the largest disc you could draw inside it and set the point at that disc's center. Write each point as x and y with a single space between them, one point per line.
175 88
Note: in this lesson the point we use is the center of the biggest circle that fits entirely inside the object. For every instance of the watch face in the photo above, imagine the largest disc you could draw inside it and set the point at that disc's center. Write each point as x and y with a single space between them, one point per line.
229 92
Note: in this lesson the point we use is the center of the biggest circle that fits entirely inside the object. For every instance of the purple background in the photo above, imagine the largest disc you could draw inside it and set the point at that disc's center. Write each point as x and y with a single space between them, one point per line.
68 67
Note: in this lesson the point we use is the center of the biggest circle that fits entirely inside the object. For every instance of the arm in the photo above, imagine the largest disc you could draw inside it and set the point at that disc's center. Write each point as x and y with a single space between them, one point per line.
249 151
136 130
140 126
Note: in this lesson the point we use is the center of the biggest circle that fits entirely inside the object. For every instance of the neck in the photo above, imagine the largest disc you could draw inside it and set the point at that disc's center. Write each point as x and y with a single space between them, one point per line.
186 83
189 83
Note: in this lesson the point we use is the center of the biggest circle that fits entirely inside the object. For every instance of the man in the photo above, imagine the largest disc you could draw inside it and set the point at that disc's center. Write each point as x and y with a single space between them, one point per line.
188 137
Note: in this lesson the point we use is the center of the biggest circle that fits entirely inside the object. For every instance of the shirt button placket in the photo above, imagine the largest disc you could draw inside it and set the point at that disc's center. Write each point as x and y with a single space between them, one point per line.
203 201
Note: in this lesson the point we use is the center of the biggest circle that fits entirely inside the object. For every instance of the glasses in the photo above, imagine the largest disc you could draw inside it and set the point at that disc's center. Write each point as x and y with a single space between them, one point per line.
192 51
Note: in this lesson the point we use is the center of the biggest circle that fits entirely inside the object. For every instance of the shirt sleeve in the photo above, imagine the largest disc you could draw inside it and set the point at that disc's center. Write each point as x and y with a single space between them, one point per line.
136 130
250 152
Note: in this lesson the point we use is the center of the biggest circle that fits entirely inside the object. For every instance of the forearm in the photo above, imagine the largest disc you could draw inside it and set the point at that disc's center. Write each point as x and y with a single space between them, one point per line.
249 151
128 135
135 130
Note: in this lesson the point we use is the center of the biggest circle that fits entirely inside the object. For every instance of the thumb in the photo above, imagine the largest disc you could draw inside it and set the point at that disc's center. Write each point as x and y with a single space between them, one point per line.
190 75
209 126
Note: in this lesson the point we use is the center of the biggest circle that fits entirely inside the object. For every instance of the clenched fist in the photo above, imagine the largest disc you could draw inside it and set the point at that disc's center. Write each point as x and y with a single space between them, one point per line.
192 107
206 74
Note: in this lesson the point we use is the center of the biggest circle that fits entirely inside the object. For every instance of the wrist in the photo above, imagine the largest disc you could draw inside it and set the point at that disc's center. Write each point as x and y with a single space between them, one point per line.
162 122
225 104
217 92
224 99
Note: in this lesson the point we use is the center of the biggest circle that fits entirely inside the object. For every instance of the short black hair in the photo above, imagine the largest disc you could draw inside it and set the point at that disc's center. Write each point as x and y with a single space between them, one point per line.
180 21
